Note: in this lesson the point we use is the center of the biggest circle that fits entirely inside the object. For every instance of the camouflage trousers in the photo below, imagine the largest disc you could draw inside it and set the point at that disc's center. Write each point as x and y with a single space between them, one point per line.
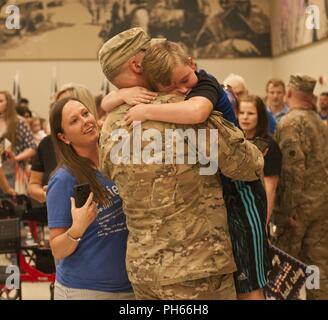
306 238
220 287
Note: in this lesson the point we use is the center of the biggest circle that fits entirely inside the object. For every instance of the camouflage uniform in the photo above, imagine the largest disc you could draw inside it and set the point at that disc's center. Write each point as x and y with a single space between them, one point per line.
301 214
210 288
177 218
178 245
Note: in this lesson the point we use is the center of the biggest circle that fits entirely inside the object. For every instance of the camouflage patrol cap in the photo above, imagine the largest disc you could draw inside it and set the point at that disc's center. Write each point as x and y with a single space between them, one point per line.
122 47
302 83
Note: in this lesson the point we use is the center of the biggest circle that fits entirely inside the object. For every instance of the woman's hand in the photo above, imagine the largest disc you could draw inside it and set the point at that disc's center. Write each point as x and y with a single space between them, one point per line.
136 95
82 217
136 113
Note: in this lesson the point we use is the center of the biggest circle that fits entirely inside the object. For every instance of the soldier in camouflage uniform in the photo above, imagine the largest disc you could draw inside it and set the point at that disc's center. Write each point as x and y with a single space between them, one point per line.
301 214
179 245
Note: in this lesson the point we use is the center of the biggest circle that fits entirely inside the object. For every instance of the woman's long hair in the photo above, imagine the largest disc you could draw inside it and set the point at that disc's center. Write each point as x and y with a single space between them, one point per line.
81 168
11 118
262 127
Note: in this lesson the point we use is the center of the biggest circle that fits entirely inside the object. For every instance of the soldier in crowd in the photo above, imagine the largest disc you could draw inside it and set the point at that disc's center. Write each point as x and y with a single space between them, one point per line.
178 246
323 107
301 214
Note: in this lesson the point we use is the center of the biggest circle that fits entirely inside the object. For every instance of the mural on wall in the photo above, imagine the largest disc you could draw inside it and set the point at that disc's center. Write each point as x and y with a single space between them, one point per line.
289 24
75 29
208 28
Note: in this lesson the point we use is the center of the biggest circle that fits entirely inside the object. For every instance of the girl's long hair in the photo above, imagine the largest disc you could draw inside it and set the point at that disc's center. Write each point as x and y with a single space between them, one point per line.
10 117
262 128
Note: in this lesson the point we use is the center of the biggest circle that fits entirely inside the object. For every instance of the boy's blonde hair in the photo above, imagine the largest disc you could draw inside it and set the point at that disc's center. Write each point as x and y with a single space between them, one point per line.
160 60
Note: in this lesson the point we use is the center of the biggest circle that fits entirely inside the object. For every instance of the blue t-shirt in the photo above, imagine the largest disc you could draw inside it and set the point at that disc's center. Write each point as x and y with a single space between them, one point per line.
98 262
272 123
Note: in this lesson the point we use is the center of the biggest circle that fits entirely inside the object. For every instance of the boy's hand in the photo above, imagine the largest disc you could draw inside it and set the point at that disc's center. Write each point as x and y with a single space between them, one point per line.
136 113
137 95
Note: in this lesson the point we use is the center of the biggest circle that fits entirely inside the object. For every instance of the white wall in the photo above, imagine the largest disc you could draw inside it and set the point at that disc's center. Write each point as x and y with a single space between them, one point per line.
255 71
35 79
311 60
35 76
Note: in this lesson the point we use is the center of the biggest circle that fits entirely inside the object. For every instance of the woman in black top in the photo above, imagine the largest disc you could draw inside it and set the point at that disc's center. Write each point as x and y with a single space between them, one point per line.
252 118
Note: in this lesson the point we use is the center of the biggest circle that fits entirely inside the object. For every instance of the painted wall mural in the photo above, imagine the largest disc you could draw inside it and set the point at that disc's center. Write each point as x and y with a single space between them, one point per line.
208 29
290 21
75 29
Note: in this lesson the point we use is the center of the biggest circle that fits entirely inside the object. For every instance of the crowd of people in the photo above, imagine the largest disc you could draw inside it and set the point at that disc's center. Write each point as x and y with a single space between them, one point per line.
154 229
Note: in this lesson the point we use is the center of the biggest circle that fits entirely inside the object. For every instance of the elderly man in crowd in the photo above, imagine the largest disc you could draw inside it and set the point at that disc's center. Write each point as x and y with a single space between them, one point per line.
179 246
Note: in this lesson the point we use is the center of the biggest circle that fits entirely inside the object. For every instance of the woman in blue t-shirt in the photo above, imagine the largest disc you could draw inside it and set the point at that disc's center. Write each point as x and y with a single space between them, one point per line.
89 243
